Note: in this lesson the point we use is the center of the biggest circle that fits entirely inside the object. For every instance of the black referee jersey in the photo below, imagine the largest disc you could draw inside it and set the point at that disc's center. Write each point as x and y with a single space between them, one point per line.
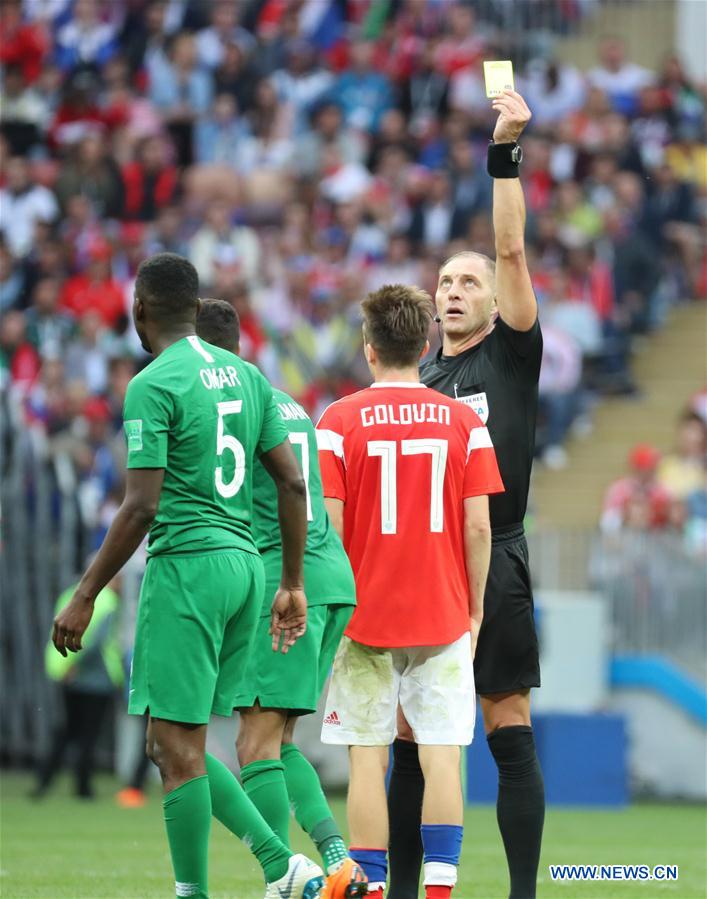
498 378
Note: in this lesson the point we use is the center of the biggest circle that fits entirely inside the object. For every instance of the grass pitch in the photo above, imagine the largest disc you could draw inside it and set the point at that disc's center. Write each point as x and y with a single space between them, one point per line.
61 847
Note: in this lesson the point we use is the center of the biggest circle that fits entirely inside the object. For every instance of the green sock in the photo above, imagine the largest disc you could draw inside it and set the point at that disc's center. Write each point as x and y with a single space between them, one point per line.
264 782
187 816
235 811
311 808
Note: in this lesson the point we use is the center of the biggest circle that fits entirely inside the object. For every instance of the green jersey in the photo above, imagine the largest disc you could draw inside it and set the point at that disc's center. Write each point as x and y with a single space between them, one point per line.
203 415
327 571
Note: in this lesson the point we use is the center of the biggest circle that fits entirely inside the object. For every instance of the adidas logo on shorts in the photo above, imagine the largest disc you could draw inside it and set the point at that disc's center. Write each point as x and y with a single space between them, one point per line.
332 720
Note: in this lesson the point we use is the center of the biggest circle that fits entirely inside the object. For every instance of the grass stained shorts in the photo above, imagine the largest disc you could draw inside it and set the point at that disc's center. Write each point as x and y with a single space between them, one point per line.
434 686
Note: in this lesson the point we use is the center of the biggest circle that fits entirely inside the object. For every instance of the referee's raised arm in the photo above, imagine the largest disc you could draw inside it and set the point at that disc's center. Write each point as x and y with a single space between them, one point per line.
490 360
515 299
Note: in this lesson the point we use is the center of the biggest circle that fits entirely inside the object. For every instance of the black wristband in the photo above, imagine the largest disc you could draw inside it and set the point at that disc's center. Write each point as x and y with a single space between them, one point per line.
503 160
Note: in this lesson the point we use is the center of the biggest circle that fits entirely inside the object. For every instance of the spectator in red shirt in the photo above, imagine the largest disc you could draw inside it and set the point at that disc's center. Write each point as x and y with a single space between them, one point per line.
18 358
253 338
590 280
591 283
150 181
537 174
21 43
95 290
461 48
78 114
639 488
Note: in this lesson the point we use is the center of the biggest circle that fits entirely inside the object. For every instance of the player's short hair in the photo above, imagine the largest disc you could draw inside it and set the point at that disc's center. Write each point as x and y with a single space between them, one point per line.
168 285
472 254
396 320
217 323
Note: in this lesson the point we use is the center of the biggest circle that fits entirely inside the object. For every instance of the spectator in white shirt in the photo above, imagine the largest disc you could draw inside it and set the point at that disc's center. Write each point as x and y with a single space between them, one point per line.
85 40
327 130
43 10
85 359
560 376
219 137
217 233
22 206
620 80
179 89
20 102
211 42
303 83
553 91
466 91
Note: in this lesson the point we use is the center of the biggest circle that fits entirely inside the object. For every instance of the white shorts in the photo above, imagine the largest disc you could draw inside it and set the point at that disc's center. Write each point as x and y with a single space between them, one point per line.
433 684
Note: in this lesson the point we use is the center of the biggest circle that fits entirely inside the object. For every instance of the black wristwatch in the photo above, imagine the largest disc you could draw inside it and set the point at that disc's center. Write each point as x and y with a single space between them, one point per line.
503 160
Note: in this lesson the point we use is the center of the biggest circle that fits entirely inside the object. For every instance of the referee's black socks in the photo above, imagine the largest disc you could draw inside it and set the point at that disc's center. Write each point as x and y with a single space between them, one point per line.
405 791
521 805
520 810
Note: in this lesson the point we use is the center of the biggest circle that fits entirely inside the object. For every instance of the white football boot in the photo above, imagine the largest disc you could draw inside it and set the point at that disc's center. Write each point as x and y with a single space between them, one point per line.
303 880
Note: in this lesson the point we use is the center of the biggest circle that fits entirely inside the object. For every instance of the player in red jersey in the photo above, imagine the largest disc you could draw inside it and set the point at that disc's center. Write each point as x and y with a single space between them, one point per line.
406 474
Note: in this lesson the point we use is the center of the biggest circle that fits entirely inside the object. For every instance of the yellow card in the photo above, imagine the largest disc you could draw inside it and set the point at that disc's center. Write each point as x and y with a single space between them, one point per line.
498 75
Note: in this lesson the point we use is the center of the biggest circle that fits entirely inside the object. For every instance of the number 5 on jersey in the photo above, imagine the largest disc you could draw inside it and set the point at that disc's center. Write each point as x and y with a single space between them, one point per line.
227 443
387 450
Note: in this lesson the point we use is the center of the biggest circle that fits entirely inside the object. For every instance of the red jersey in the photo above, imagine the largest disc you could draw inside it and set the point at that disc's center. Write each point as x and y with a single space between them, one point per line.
403 458
81 295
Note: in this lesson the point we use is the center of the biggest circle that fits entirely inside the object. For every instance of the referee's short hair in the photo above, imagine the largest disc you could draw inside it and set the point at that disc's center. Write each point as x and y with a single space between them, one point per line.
396 321
472 254
217 323
168 285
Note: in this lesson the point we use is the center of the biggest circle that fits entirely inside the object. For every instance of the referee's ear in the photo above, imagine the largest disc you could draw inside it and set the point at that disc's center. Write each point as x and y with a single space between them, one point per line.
425 349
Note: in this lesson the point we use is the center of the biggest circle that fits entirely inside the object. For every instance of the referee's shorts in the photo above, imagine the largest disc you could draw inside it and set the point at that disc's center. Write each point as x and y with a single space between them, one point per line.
507 650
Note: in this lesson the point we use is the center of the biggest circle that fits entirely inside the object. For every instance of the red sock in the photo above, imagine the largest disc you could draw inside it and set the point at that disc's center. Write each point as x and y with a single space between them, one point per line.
435 892
376 894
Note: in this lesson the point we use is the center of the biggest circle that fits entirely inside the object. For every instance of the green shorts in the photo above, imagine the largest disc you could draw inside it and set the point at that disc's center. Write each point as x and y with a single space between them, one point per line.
196 624
294 681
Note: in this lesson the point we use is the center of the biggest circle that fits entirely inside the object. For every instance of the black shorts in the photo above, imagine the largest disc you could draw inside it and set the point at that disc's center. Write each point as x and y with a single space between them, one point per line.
507 651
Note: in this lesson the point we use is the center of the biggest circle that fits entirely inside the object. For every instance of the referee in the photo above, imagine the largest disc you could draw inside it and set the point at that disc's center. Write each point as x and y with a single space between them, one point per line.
490 360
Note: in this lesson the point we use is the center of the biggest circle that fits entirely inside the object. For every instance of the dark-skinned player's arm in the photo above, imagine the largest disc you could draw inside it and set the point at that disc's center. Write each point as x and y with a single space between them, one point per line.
289 608
131 523
335 509
477 555
514 291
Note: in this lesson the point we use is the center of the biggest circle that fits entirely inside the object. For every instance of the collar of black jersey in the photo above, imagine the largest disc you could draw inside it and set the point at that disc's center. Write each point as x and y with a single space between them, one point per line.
441 359
448 360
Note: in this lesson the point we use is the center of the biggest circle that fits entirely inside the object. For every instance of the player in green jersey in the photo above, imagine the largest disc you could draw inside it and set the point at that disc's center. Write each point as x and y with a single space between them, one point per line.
196 420
275 690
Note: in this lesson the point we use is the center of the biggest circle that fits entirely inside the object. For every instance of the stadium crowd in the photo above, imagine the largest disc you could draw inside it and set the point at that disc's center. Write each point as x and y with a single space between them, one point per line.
649 556
300 154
